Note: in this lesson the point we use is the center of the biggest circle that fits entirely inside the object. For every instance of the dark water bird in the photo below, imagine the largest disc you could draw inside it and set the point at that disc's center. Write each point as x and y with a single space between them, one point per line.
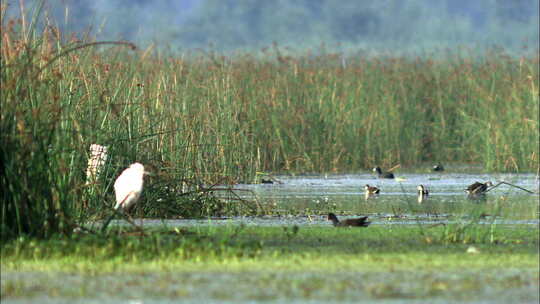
438 168
371 189
422 193
266 181
382 174
478 188
357 222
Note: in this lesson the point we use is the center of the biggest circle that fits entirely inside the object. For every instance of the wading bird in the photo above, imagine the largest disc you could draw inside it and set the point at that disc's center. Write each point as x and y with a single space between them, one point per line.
382 174
127 189
478 188
438 168
371 190
358 222
422 193
422 190
128 186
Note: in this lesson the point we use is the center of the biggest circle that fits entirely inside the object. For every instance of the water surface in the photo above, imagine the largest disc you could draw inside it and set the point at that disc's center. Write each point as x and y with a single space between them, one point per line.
345 194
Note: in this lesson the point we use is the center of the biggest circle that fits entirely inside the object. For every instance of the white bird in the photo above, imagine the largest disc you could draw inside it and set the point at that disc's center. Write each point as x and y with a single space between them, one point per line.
128 186
127 189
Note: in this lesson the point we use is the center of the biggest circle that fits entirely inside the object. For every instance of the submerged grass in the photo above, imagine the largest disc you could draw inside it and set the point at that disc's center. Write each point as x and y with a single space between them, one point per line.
264 244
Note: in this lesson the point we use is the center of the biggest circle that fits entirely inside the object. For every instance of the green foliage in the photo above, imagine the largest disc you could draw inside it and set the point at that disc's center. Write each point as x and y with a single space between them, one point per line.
38 177
285 263
263 244
130 246
221 120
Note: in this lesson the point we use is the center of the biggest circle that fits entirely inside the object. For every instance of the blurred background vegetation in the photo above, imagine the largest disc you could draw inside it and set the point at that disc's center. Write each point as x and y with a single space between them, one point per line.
345 25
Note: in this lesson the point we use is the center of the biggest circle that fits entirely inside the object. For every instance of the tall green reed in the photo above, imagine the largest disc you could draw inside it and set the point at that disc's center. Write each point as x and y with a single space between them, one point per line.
223 119
42 180
36 179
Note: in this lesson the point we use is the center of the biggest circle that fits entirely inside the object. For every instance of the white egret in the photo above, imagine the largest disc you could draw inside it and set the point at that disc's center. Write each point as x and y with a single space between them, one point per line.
127 188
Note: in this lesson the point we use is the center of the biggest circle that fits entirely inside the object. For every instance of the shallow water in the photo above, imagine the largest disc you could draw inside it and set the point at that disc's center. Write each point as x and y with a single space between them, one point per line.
442 187
398 197
305 201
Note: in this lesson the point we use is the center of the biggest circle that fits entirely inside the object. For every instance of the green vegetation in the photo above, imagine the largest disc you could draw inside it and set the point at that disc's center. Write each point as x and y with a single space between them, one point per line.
215 244
344 263
219 120
198 122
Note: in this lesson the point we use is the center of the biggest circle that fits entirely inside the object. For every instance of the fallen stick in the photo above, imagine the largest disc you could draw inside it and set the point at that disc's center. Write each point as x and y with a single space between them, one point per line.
394 167
499 183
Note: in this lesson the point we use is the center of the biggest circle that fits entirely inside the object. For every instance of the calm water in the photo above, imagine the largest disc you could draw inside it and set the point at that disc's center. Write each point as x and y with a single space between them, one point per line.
306 200
349 189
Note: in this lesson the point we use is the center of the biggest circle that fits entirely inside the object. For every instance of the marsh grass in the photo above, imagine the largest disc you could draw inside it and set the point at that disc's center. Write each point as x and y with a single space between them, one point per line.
283 262
263 245
210 120
48 124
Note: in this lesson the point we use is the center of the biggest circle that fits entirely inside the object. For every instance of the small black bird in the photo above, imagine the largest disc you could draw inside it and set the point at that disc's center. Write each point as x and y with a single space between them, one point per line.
438 168
383 174
478 188
266 181
372 190
358 222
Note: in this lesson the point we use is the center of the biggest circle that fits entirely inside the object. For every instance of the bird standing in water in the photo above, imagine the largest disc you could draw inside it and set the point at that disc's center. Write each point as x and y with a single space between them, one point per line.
127 189
371 192
422 193
382 174
478 188
358 222
371 189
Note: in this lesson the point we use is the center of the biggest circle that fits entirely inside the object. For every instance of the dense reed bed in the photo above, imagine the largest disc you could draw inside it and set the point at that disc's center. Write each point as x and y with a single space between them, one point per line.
210 119
233 117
